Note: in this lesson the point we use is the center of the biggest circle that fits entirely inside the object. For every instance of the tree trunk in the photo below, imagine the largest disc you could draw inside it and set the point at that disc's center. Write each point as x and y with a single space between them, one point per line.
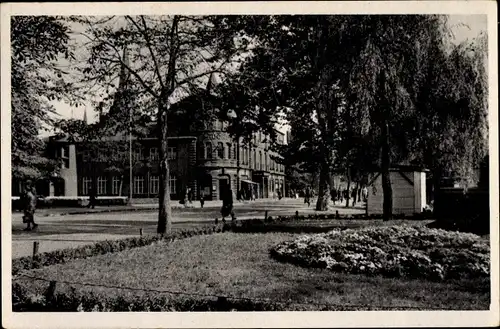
386 179
348 191
165 211
238 168
324 187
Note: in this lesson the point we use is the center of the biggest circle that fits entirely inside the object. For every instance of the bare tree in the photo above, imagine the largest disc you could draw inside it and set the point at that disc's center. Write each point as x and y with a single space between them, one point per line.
168 57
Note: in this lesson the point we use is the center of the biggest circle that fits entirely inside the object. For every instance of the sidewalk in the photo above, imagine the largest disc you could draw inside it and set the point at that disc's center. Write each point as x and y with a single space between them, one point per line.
142 207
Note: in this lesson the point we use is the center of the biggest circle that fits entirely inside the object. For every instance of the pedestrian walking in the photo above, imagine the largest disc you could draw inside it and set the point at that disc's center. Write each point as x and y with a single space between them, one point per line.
353 195
190 195
92 198
365 193
29 203
333 194
227 204
307 197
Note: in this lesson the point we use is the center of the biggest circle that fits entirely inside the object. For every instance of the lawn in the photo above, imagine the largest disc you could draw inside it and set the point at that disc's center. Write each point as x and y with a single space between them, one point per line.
239 265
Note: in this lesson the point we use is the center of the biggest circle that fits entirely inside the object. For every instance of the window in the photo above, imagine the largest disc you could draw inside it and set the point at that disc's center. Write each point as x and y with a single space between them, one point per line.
138 185
86 184
65 151
208 150
266 167
254 159
115 185
220 150
153 154
235 154
229 149
173 184
260 160
154 184
138 154
172 152
85 156
101 185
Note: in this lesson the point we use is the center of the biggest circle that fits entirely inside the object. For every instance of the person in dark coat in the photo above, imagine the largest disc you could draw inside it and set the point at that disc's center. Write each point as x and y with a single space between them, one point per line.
92 198
307 197
333 194
29 203
202 199
190 195
227 204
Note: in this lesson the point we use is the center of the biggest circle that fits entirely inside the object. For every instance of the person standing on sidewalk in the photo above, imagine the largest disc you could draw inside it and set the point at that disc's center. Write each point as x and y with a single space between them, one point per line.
29 200
92 198
190 195
202 199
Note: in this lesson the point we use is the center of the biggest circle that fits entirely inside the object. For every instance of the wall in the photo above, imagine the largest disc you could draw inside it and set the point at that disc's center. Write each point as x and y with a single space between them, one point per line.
408 193
69 175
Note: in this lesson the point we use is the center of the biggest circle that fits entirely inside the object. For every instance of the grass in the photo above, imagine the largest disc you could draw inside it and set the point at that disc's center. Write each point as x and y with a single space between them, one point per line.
239 265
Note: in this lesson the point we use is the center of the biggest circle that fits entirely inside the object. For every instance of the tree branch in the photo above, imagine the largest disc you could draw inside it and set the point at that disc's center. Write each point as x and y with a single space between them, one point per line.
148 43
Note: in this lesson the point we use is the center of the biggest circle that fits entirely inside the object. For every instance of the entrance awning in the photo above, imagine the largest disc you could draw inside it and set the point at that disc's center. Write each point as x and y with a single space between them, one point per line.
249 182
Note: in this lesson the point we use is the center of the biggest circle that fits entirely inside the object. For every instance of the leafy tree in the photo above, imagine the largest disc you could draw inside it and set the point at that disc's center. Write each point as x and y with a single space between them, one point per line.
36 44
451 137
168 55
362 78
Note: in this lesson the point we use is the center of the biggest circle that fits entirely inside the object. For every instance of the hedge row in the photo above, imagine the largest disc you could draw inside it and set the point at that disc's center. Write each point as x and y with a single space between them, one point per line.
103 247
75 301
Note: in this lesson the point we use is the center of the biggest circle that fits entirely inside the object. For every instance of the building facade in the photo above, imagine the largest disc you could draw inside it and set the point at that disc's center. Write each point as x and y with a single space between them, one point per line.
206 161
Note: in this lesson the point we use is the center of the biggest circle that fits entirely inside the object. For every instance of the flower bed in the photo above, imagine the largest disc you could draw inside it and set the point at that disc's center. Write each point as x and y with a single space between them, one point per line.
392 251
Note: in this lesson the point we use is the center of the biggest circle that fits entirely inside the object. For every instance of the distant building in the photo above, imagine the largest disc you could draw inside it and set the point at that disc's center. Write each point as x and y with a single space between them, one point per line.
205 162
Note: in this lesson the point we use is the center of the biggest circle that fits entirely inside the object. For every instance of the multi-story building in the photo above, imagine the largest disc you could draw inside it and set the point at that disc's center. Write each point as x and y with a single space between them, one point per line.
205 161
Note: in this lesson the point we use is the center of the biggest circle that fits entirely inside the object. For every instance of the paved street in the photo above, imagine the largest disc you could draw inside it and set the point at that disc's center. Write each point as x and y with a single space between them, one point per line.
58 232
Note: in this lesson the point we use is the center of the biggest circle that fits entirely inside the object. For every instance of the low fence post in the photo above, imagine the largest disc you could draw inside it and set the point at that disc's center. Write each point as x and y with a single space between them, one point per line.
36 245
49 294
265 216
140 231
296 215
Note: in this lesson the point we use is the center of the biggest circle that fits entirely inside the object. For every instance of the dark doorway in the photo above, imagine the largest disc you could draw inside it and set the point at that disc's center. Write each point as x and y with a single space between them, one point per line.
205 186
223 186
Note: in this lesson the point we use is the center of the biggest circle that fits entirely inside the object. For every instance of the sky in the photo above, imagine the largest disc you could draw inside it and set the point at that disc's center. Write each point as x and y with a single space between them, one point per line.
464 27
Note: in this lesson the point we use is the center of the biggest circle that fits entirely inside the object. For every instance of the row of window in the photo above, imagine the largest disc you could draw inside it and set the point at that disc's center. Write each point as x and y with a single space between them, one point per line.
259 137
138 186
138 154
265 163
221 152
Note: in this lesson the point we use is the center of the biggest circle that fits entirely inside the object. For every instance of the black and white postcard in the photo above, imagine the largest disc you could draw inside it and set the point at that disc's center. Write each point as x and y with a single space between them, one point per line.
249 164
